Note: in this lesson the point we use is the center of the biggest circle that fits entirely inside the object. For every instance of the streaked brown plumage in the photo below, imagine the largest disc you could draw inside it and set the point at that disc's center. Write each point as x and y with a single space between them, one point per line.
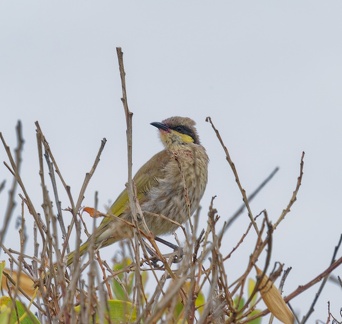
171 183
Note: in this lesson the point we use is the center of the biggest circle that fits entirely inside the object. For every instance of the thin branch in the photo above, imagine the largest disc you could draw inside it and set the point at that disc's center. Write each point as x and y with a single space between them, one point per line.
15 172
243 206
2 185
320 289
55 192
89 175
48 150
11 193
237 179
294 194
130 186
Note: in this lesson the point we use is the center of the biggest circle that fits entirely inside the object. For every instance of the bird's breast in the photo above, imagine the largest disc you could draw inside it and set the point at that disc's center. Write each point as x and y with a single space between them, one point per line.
178 192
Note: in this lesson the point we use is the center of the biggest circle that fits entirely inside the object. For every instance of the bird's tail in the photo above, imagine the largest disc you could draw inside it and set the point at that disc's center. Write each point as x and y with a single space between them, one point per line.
106 234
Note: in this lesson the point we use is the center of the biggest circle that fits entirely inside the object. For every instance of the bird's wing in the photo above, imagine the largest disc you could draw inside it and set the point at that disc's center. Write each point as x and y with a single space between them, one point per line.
146 178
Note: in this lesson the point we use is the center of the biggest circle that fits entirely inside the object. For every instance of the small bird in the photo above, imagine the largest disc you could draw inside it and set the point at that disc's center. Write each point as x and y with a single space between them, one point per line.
171 184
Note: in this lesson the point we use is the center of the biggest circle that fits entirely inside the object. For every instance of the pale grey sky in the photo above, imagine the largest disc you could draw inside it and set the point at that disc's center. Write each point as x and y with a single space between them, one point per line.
269 73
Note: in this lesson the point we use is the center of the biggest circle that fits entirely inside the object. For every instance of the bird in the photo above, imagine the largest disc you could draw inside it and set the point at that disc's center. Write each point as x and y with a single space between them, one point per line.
170 184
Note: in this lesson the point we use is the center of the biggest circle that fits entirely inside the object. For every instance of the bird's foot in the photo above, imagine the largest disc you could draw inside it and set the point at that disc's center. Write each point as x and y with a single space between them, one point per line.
177 253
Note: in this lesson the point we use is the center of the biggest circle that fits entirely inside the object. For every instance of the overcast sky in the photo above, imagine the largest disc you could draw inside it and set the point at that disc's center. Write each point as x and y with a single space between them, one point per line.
269 73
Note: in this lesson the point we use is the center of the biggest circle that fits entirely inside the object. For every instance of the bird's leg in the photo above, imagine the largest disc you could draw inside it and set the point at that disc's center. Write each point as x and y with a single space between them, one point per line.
154 260
178 251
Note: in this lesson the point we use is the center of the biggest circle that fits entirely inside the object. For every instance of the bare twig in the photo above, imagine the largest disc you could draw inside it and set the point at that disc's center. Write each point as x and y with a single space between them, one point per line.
15 172
55 191
2 185
237 179
243 206
130 186
294 194
320 289
11 193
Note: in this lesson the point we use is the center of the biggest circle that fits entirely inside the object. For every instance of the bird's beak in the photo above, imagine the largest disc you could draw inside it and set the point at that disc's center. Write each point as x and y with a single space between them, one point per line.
161 126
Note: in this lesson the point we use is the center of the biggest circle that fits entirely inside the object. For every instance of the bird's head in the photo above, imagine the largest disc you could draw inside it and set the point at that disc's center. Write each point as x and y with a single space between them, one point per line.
177 131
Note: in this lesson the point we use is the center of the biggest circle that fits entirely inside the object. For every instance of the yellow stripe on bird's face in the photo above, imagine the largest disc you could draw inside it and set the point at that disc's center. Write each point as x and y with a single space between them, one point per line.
172 137
184 137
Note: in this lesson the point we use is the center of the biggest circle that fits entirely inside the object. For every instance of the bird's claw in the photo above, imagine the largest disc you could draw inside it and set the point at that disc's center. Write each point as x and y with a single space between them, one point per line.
176 255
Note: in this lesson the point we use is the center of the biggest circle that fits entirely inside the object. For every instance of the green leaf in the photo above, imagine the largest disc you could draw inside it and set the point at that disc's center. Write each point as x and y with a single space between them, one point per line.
200 302
5 313
179 308
239 303
144 278
122 311
130 283
251 285
121 265
119 311
20 314
2 267
257 320
121 291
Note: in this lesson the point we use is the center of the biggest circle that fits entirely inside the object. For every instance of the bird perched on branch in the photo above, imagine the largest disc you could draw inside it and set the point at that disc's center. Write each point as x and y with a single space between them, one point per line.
171 184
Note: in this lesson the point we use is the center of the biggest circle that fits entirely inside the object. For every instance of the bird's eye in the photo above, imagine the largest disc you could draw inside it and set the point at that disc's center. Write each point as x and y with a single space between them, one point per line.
185 130
179 129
